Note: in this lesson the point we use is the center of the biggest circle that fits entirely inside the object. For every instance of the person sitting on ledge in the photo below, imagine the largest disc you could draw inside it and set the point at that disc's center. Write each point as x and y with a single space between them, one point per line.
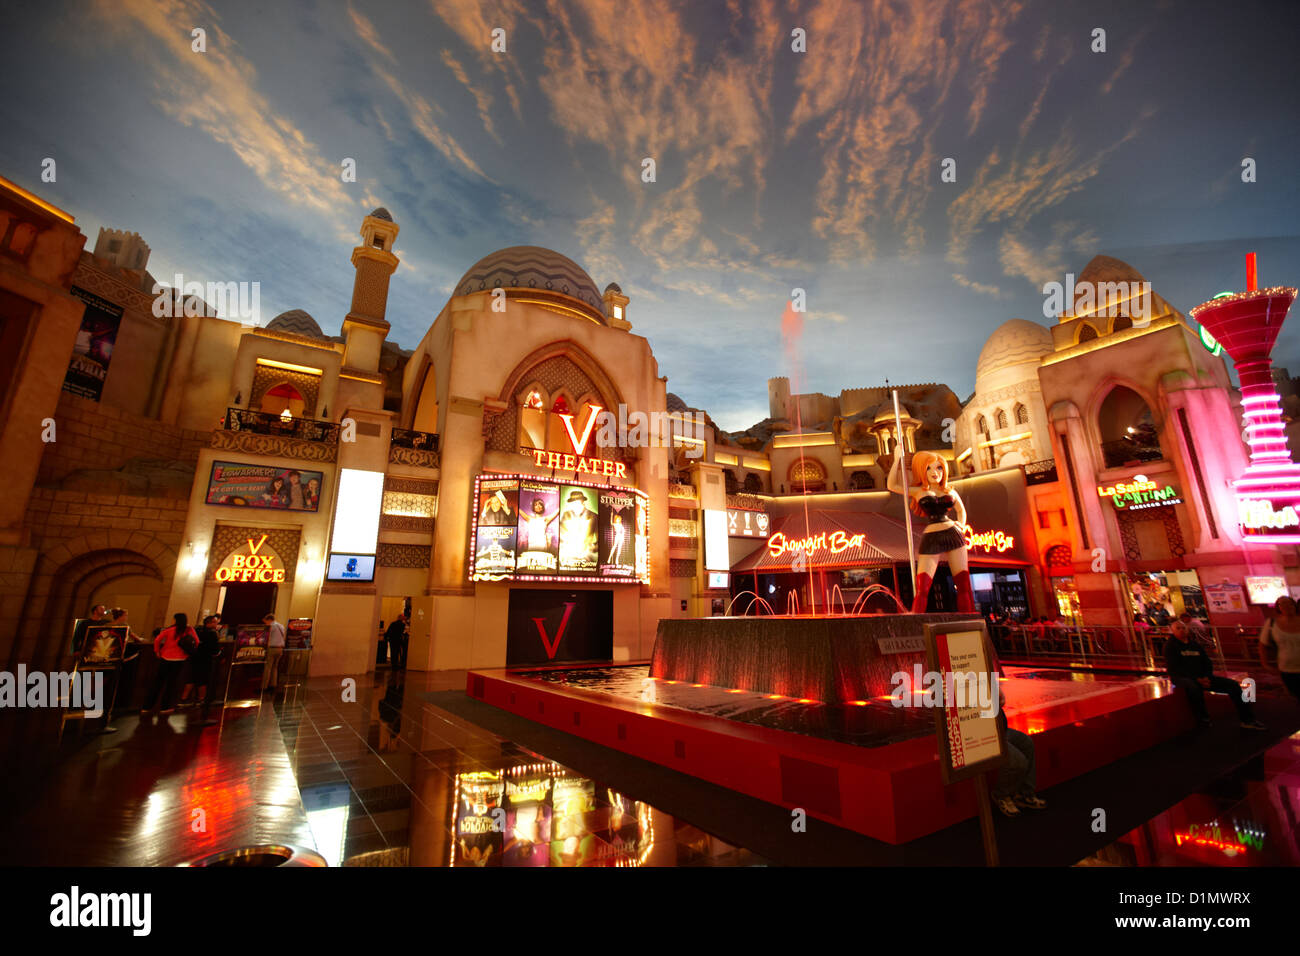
1016 784
1190 668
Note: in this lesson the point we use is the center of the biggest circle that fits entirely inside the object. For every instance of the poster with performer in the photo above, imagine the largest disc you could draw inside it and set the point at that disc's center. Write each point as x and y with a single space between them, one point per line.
539 519
264 486
579 538
617 533
497 528
968 702
642 541
104 645
297 634
572 842
250 644
528 820
480 818
88 366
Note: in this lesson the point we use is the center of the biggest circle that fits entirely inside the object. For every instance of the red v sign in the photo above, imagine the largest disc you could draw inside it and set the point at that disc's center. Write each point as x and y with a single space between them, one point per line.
581 446
559 635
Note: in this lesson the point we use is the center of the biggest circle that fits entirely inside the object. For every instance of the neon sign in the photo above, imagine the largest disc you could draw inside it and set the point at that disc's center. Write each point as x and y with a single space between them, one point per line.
578 462
834 543
989 541
1257 514
251 567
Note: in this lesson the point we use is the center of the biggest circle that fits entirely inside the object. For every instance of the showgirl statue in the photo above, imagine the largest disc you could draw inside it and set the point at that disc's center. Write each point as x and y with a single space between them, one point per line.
944 536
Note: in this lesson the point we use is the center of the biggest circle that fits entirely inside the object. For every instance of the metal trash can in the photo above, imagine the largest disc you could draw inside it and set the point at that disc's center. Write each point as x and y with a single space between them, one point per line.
266 854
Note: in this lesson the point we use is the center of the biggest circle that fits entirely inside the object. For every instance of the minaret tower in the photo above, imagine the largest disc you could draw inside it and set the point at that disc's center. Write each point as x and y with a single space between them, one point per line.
365 327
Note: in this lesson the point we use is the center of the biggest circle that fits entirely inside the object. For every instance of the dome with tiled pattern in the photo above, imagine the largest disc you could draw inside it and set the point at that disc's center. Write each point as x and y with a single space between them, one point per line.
532 267
297 322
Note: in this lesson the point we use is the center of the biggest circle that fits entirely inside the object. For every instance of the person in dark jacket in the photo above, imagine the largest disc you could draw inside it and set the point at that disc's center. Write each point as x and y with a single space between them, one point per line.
1190 668
201 661
396 635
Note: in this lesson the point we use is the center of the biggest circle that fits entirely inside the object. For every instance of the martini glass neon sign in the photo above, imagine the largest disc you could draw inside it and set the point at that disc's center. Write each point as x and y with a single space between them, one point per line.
1246 325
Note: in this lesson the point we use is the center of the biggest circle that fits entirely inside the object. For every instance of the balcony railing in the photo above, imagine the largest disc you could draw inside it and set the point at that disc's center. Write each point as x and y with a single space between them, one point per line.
1040 472
261 423
410 438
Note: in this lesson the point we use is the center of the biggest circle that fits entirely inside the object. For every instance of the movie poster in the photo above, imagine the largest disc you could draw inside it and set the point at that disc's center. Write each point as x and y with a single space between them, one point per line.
103 645
297 634
250 644
642 547
88 366
539 518
528 821
572 841
479 835
579 538
498 522
618 533
264 486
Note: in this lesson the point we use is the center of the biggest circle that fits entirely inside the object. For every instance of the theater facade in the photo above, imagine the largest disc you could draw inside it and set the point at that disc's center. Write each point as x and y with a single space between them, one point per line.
187 462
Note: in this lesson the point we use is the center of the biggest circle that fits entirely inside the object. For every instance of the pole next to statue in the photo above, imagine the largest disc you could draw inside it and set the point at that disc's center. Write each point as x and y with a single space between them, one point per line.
901 453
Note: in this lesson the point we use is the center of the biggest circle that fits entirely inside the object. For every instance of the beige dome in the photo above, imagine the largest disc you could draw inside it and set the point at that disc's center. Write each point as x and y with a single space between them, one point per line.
1106 269
1011 354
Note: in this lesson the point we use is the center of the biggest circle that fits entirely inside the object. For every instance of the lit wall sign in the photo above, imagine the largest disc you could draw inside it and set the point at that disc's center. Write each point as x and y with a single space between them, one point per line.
747 524
578 461
356 518
529 529
718 579
1266 590
1139 493
258 565
717 555
832 543
989 541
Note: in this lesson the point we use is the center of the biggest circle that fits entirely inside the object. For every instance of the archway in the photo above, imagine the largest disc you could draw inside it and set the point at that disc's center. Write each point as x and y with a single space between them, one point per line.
1127 429
283 398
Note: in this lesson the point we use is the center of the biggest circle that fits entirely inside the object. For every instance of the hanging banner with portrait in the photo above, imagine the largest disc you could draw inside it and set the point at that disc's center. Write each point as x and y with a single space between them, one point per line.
88 366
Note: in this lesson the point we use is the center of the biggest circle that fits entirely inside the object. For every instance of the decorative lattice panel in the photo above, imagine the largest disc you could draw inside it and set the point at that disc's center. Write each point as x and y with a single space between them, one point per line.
402 556
681 568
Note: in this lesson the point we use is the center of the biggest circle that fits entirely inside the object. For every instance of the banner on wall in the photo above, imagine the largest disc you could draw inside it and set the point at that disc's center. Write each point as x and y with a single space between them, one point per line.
88 366
264 486
498 526
297 634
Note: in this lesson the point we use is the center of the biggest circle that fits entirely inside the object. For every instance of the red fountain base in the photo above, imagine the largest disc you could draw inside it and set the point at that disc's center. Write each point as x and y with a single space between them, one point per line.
884 784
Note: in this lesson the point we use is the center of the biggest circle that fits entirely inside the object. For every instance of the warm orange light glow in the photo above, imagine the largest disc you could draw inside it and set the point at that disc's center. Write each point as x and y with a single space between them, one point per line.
37 200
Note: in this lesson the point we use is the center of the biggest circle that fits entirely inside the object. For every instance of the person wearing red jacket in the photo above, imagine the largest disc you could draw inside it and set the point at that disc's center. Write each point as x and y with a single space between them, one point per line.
172 646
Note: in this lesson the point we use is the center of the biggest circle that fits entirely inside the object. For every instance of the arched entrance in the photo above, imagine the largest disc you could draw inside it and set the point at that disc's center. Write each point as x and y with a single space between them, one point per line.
72 576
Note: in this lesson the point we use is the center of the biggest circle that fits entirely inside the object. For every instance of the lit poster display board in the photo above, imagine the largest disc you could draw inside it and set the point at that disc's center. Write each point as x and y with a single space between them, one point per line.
531 529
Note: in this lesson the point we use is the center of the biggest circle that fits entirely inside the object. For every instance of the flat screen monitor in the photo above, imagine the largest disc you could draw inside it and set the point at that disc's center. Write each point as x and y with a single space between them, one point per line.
350 567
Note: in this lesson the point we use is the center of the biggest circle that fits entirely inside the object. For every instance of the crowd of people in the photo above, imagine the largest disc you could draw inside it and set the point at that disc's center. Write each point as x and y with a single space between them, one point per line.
186 656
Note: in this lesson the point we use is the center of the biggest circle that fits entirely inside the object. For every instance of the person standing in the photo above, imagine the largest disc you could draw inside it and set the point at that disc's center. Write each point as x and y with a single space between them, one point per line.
1283 632
1190 669
172 646
274 651
208 650
381 649
98 615
397 635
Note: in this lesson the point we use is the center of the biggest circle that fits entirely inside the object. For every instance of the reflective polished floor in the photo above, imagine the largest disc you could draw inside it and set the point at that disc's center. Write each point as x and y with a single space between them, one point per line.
387 778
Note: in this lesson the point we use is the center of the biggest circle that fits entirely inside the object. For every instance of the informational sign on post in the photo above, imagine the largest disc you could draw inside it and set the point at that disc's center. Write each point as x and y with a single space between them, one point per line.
297 634
970 736
970 731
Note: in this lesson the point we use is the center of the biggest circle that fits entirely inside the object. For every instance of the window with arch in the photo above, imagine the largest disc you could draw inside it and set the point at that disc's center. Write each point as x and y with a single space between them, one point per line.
542 423
283 400
729 480
1121 322
1127 429
808 473
1022 414
753 484
1086 333
982 426
1001 419
862 481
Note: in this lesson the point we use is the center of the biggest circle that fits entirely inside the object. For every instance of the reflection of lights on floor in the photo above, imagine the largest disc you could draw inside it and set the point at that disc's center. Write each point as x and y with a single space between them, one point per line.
863 703
329 828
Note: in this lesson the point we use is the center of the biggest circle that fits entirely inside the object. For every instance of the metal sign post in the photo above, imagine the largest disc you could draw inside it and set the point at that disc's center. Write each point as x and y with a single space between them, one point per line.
901 452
